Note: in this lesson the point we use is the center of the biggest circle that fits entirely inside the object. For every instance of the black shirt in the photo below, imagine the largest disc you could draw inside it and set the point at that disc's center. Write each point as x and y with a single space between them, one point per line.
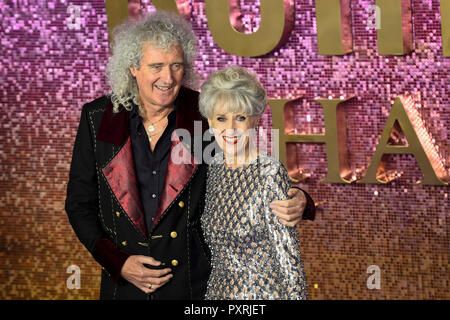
150 166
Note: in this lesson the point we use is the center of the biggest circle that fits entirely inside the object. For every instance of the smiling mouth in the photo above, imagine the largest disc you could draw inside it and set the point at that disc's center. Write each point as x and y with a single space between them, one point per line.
230 140
163 88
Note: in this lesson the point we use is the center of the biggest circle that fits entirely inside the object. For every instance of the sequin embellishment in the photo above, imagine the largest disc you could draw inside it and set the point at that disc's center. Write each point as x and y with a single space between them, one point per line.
253 255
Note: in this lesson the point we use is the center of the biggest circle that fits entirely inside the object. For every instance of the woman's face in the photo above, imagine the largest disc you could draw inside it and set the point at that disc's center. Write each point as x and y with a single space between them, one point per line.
233 131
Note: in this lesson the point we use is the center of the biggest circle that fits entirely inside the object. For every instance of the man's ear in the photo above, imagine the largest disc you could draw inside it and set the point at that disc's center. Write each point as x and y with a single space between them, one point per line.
133 71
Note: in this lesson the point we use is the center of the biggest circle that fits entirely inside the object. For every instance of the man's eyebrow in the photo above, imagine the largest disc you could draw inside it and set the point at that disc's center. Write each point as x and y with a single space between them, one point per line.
159 64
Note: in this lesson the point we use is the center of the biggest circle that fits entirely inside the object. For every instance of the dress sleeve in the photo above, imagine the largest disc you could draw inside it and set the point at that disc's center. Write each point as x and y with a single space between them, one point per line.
285 243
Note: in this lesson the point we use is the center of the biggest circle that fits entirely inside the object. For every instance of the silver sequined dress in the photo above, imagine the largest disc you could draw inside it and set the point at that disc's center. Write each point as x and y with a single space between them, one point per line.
253 255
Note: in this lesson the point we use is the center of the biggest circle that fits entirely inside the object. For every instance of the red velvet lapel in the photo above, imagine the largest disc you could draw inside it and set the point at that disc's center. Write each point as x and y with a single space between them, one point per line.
178 174
120 172
121 177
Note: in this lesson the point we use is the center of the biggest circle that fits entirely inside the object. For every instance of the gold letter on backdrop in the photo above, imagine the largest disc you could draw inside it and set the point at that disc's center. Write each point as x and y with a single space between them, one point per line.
169 5
395 35
335 138
117 10
277 21
419 144
445 26
181 7
334 27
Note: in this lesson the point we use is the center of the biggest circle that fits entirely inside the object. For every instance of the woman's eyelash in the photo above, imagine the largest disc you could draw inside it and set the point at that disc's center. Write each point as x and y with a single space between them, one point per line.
242 118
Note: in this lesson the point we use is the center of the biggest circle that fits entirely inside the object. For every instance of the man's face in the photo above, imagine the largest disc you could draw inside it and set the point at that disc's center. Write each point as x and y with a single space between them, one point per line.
159 76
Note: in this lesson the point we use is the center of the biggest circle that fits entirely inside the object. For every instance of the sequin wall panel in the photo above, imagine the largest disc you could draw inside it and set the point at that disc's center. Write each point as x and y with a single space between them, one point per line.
53 60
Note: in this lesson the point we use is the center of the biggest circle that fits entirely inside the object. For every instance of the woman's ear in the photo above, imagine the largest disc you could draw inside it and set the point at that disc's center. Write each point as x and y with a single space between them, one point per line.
210 123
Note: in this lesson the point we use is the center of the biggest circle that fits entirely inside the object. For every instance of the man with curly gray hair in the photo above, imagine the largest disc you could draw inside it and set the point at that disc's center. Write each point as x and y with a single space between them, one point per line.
134 208
164 33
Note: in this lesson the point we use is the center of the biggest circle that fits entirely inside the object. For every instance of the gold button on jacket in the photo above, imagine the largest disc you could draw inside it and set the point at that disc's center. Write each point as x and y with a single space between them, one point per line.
124 243
118 213
174 263
173 234
181 204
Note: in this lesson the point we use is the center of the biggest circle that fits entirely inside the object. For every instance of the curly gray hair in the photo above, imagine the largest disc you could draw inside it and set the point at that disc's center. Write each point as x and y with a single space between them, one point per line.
162 29
235 87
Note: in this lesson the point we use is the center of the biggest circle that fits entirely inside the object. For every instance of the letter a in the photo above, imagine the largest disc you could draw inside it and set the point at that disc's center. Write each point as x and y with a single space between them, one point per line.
374 281
73 282
277 22
419 145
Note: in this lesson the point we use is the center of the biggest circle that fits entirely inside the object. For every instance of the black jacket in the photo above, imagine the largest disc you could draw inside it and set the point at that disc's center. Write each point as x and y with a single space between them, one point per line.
106 213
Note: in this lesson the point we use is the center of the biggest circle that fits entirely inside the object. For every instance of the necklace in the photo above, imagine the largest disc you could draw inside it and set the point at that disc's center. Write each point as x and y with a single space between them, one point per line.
151 127
151 136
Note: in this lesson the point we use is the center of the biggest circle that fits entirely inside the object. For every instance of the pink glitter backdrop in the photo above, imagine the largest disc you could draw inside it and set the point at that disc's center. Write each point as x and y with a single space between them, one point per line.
51 66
